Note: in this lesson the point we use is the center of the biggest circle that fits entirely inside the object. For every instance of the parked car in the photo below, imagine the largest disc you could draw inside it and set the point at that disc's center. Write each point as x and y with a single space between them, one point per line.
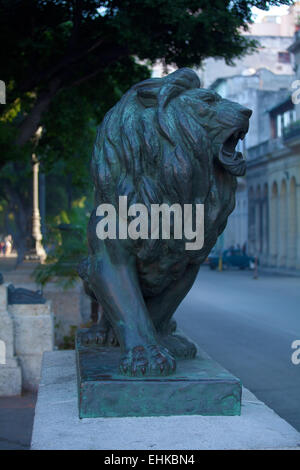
232 258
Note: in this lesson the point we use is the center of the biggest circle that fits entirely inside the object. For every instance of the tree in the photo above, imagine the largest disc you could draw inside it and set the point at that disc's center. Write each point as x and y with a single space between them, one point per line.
64 149
49 45
65 63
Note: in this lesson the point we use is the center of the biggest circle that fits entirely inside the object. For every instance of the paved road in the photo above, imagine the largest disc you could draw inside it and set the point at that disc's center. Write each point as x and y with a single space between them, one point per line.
16 421
248 326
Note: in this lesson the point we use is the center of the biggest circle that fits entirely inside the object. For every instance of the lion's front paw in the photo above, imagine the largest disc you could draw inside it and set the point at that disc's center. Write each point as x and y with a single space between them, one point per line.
149 360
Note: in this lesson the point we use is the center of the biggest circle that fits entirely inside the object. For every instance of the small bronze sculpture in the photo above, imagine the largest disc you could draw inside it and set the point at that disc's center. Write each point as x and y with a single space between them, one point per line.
166 141
21 295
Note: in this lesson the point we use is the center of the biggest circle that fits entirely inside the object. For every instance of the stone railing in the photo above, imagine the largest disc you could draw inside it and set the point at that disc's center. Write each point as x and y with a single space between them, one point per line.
26 332
292 131
262 150
10 370
258 151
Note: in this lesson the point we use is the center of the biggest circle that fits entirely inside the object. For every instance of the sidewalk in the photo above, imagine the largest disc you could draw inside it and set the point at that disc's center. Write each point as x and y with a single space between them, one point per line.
57 424
16 421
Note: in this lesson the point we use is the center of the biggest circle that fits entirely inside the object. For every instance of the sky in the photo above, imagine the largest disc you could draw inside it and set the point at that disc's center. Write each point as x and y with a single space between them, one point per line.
274 11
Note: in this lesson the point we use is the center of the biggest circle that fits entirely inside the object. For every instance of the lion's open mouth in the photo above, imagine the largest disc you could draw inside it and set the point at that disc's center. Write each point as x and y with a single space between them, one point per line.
232 141
229 158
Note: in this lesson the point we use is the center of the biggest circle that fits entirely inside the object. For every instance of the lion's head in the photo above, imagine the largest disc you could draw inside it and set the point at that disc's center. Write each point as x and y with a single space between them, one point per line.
163 138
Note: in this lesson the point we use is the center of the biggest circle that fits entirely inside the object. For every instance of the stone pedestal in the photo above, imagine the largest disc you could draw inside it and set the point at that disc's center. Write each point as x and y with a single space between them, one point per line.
57 425
70 307
10 371
199 386
34 334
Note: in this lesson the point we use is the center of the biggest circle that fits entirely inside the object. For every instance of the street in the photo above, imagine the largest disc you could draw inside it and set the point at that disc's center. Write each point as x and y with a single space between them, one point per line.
16 421
248 326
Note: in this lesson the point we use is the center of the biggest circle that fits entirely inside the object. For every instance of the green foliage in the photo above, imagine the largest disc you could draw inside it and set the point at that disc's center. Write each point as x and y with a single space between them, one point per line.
55 37
65 63
8 131
69 340
67 245
70 124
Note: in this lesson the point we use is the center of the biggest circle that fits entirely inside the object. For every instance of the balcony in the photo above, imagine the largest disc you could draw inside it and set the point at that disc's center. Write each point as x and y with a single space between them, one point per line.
258 151
291 134
265 149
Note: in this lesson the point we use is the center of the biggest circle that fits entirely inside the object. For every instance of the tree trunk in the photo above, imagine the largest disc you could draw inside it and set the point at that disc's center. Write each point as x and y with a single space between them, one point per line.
31 123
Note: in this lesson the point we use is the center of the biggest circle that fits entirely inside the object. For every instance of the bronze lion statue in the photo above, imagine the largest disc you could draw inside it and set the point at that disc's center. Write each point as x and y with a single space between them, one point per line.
166 141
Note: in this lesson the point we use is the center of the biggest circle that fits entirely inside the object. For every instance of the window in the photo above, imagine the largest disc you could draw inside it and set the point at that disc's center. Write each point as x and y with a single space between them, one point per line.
279 125
293 115
284 57
284 120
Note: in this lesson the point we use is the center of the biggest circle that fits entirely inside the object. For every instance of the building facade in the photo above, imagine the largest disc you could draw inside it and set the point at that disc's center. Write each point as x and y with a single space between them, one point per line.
267 215
259 92
273 180
271 54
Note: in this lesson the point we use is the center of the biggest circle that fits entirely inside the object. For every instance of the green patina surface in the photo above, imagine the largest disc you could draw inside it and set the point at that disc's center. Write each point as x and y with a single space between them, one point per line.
200 386
167 141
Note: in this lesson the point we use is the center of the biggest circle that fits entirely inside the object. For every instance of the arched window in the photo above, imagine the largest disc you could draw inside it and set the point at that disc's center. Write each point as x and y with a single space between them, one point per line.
265 221
258 221
251 221
274 224
283 224
292 223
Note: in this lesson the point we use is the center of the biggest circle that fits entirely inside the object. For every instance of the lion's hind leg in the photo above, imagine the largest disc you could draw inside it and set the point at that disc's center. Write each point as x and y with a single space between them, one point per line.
100 333
179 346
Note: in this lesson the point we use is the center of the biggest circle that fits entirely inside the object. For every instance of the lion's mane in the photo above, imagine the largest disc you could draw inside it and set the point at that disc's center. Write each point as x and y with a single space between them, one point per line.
153 147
